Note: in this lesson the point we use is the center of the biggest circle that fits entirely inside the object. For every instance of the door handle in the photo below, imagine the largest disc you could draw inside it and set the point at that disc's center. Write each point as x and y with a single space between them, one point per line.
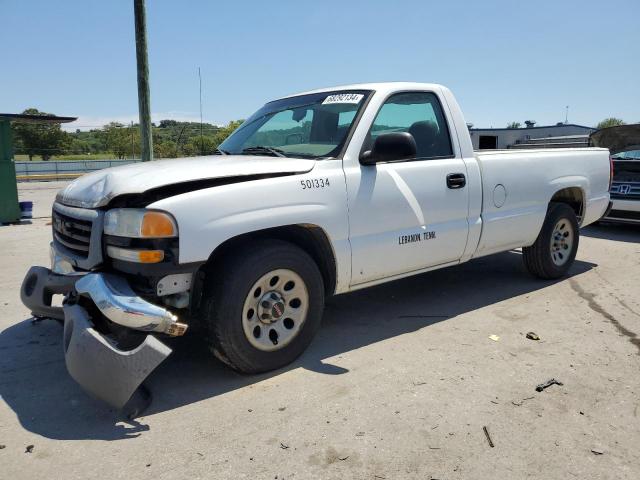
456 180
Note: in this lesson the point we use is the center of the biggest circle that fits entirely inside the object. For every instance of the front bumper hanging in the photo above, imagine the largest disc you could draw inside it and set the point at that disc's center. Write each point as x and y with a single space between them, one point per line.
108 373
92 358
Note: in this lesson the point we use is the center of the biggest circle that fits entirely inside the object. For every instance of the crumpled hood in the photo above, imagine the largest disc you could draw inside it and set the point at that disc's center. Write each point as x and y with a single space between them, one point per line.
96 189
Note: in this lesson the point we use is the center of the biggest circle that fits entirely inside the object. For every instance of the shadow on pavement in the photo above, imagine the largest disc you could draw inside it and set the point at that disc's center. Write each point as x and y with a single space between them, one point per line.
620 232
35 385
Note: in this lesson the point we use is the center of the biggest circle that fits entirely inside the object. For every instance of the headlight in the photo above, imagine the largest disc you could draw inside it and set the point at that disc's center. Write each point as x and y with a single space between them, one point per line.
139 223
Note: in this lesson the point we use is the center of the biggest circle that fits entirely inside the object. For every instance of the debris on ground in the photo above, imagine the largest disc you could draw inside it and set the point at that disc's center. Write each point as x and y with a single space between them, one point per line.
495 338
29 449
547 384
2 446
282 409
532 336
343 458
283 446
486 433
597 451
360 434
518 404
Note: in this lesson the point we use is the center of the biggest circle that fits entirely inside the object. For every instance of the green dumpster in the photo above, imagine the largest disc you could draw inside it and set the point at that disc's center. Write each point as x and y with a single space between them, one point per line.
9 206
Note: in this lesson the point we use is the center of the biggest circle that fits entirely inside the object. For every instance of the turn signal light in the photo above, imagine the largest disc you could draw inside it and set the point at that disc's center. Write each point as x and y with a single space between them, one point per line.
137 256
157 225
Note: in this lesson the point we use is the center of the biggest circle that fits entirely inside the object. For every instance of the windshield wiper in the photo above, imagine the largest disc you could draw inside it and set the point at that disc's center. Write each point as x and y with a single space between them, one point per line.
259 149
219 151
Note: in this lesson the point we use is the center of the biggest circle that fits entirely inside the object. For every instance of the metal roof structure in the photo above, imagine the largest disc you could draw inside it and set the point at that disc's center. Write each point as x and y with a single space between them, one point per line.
25 118
532 128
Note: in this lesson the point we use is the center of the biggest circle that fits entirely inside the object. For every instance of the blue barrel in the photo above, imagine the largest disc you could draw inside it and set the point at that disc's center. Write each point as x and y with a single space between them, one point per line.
26 209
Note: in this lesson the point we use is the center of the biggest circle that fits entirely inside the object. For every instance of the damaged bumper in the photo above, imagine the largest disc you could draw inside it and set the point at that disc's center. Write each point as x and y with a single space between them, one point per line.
108 373
92 358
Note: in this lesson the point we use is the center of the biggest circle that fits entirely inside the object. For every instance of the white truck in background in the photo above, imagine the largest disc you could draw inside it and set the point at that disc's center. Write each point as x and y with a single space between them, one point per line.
316 194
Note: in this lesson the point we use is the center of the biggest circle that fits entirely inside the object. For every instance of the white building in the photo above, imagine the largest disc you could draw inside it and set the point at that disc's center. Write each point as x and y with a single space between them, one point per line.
560 135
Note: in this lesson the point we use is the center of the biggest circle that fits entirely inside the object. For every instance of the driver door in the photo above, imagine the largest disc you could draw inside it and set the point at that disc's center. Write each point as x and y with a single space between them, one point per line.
407 215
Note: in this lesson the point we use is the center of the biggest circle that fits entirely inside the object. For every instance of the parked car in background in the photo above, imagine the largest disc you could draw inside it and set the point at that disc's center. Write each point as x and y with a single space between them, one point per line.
624 144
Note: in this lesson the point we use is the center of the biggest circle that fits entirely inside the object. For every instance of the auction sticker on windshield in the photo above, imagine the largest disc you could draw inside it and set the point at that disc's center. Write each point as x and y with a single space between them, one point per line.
343 98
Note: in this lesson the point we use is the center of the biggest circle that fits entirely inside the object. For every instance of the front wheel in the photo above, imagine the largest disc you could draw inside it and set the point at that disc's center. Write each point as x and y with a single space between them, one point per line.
555 249
263 306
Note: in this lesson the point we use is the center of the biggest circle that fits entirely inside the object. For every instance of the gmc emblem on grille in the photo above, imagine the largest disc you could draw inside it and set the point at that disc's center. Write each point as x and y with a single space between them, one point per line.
624 189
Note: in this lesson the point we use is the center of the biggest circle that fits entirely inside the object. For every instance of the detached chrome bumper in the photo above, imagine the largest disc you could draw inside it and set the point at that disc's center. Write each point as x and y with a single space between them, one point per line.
93 359
120 304
111 294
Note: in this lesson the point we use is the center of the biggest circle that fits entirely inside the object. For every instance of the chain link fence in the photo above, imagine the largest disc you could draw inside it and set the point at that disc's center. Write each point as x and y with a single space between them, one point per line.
62 170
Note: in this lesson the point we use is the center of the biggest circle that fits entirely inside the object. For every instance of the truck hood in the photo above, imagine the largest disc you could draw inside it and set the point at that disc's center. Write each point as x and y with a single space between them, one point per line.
96 189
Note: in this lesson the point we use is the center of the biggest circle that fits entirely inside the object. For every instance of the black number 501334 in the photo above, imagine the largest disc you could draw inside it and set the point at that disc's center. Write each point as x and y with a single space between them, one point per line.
314 183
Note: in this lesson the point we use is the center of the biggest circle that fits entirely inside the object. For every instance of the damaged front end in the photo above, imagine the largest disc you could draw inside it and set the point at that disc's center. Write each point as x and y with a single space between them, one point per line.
108 343
110 329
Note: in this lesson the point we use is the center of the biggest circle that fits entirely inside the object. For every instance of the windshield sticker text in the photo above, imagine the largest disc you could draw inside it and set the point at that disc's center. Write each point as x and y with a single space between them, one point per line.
416 237
314 183
343 98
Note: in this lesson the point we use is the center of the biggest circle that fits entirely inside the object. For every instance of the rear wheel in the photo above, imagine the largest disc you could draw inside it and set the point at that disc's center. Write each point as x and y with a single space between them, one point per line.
263 306
555 249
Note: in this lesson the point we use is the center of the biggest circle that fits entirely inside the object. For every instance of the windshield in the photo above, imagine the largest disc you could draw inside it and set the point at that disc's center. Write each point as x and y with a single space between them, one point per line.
307 126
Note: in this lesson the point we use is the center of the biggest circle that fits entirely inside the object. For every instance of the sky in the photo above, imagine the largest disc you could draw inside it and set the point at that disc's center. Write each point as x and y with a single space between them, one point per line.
504 60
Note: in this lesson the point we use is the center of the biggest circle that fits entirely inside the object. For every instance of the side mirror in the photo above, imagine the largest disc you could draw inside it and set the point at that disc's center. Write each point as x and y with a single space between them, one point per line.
389 147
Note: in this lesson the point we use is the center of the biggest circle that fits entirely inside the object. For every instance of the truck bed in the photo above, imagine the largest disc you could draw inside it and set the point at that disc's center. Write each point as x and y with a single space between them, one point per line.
527 189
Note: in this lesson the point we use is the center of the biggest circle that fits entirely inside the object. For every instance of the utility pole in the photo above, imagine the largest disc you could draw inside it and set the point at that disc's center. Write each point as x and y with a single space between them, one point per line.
144 101
566 115
201 136
133 143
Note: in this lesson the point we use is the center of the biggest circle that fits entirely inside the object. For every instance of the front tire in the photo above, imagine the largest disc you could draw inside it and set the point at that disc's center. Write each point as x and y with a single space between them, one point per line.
263 306
554 251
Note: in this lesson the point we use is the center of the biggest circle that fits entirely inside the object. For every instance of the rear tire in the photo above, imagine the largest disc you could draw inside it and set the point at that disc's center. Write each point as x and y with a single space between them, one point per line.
554 251
262 306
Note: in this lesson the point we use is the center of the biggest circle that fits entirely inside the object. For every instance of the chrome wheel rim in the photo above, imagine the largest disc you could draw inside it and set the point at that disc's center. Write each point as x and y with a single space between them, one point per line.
561 242
275 309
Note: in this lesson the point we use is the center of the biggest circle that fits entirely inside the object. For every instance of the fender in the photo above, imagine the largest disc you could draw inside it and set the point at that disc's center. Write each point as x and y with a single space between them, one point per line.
207 218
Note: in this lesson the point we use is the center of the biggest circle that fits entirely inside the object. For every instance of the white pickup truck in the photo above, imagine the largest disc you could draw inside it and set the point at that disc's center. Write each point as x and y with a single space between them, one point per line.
316 194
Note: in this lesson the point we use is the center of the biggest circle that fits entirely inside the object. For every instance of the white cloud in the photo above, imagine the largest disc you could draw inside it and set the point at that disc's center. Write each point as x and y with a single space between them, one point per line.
88 122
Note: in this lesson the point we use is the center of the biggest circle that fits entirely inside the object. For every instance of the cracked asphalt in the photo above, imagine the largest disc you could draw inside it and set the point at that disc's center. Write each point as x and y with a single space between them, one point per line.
399 383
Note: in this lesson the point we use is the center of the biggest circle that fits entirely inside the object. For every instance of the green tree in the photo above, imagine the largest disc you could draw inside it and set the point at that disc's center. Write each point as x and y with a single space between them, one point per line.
610 122
165 149
514 125
78 146
44 139
120 140
200 146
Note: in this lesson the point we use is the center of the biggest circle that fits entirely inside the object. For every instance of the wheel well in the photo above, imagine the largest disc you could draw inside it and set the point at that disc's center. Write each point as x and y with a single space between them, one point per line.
311 238
572 196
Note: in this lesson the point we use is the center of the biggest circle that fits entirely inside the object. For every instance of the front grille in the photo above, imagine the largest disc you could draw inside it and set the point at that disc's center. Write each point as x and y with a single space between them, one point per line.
73 233
625 190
